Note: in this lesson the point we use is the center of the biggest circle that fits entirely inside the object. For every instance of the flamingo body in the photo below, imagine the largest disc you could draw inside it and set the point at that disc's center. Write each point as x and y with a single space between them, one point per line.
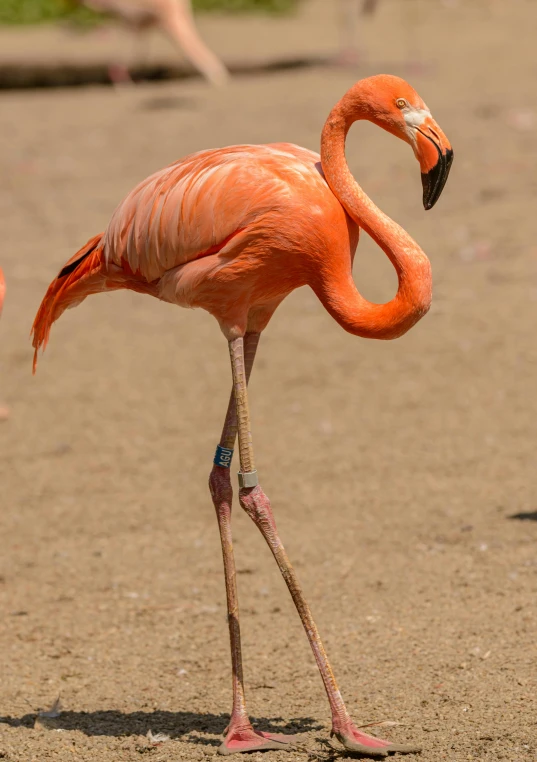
225 230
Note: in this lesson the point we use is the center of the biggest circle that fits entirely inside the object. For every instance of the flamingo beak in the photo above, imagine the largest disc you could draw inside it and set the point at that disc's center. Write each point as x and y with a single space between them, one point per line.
435 156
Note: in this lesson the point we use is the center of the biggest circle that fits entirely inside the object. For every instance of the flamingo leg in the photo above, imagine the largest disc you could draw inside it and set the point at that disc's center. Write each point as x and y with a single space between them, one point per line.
256 504
240 735
178 23
119 74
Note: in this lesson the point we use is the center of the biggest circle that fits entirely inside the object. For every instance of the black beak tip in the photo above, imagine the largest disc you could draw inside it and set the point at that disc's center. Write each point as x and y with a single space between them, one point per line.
428 181
434 181
427 205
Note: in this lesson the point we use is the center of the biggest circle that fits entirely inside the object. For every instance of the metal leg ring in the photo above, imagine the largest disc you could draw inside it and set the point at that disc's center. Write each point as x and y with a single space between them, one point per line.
248 479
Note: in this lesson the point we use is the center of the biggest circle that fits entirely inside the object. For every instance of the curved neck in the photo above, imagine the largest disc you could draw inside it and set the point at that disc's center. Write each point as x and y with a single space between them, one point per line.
339 294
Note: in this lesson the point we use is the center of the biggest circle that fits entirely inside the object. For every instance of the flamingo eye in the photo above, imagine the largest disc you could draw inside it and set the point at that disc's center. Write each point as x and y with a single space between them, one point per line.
401 103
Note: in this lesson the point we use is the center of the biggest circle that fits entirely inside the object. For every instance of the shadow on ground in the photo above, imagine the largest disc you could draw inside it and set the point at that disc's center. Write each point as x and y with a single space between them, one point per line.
173 724
525 516
44 74
162 103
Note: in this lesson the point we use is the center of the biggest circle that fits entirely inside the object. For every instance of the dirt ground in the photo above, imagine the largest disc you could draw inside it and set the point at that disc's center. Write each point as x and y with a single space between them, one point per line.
402 474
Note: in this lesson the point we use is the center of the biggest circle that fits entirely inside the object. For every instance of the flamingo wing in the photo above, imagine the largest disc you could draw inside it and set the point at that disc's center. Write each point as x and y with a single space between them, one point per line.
193 207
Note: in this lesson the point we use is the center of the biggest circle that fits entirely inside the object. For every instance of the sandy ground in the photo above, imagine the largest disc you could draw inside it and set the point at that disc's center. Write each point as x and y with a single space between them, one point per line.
402 474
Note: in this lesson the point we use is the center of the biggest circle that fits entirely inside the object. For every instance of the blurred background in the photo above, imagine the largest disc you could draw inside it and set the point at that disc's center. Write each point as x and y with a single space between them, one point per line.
402 474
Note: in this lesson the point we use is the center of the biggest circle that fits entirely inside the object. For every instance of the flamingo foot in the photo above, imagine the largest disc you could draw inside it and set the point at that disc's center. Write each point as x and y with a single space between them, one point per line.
354 740
245 738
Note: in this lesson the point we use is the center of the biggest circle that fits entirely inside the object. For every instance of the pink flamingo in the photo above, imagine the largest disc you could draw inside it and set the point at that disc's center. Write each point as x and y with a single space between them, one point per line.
234 231
176 19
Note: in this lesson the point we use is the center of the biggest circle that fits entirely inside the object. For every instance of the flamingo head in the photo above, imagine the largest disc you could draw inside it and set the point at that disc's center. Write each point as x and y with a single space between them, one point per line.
394 105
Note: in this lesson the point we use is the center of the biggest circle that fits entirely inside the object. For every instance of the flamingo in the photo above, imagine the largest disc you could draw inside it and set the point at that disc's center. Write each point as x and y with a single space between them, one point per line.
234 231
176 19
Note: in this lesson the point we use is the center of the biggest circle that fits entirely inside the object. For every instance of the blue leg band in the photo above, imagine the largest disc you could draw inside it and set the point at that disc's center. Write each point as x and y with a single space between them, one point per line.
223 456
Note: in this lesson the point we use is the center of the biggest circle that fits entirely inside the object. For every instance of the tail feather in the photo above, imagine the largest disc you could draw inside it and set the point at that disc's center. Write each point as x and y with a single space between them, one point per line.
87 272
82 275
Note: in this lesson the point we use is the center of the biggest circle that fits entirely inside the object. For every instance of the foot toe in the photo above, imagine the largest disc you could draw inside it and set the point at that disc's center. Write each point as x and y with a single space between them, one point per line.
354 740
280 737
378 750
255 740
370 751
402 748
263 744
